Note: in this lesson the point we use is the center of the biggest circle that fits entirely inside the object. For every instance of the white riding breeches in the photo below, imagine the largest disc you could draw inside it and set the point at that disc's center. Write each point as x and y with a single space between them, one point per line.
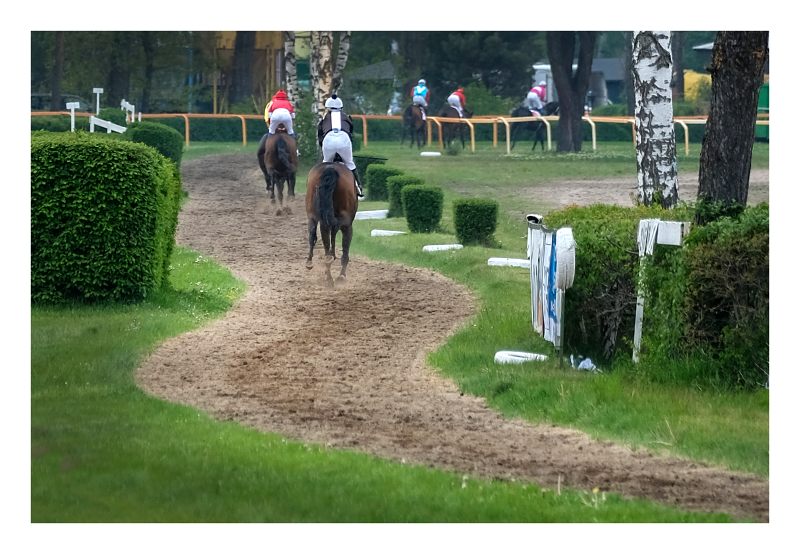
281 115
420 101
534 102
455 101
338 143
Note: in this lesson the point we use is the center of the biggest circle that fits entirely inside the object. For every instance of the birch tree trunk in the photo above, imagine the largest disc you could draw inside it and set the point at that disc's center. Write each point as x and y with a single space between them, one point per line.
321 66
737 73
341 60
290 65
655 132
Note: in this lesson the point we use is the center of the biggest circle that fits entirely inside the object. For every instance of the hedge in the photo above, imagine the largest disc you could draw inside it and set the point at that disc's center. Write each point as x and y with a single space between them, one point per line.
475 219
395 185
163 138
376 180
103 218
423 207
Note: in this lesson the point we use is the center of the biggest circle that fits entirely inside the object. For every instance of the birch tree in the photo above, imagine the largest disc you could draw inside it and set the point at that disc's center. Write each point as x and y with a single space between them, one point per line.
341 60
655 132
321 66
290 66
737 73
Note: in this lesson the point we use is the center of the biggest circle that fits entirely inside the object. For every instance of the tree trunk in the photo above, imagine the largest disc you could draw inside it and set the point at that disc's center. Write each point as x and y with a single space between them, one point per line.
341 60
57 74
149 49
243 66
678 40
290 64
119 74
655 132
571 87
737 73
321 69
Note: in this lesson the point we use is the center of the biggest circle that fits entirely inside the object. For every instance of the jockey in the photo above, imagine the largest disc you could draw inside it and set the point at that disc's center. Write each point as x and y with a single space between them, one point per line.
334 134
458 100
420 96
279 110
535 99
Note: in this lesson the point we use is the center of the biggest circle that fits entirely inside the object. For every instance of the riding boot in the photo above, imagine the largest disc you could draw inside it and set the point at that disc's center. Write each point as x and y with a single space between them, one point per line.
359 188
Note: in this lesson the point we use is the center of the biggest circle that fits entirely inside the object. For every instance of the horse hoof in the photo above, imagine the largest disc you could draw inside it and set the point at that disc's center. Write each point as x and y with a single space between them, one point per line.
279 211
329 260
309 265
341 279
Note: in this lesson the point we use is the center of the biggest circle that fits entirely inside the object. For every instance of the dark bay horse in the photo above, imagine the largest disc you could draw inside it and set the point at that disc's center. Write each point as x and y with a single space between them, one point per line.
332 204
536 128
452 130
277 157
414 125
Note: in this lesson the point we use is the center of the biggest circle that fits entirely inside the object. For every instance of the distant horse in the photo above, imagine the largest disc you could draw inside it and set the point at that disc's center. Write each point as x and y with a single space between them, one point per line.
414 125
535 127
332 204
277 157
451 130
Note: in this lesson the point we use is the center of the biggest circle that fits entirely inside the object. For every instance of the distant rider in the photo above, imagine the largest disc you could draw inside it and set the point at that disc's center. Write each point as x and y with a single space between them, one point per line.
420 96
335 136
458 100
535 99
279 110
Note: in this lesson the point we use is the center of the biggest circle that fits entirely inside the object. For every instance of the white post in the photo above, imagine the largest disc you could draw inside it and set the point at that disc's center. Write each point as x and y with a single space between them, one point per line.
97 92
128 107
72 106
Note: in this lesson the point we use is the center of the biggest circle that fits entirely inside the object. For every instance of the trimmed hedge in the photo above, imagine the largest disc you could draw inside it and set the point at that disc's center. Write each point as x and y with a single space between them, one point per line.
423 207
475 219
395 185
364 159
163 138
376 180
103 218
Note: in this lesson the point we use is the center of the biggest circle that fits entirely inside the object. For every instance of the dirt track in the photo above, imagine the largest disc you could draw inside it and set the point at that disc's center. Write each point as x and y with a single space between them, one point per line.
281 361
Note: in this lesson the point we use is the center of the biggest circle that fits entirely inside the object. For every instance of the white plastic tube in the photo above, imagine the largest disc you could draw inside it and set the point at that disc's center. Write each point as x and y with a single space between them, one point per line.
565 258
383 233
511 262
512 357
372 214
438 247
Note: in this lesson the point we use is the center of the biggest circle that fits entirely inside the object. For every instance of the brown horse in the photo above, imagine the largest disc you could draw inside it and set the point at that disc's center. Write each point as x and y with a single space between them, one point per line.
331 202
277 157
452 130
414 125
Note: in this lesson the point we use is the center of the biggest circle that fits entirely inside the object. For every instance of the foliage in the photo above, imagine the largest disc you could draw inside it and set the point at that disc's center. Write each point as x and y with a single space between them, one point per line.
57 123
305 127
394 186
710 303
375 177
114 115
163 138
364 159
422 205
481 101
103 218
475 219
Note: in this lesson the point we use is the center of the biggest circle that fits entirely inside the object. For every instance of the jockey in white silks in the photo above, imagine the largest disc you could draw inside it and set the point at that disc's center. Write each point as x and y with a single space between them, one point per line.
334 134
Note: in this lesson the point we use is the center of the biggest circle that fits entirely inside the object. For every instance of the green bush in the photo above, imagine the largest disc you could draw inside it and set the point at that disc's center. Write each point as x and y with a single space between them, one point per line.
708 303
114 115
57 123
422 205
163 138
395 185
475 219
103 218
376 180
364 159
600 306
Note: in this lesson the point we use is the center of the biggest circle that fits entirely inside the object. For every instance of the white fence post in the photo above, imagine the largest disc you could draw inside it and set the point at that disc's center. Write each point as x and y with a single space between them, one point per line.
97 92
130 109
72 106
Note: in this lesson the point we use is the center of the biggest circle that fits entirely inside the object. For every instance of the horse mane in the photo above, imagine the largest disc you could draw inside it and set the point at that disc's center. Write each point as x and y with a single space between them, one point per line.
323 197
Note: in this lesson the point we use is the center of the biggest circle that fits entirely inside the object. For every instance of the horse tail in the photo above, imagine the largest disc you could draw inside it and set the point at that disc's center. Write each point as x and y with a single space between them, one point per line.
283 154
323 199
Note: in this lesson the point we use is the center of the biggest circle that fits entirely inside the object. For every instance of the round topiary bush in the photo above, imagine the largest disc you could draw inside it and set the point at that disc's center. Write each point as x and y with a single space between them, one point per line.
395 185
163 138
376 180
423 207
475 219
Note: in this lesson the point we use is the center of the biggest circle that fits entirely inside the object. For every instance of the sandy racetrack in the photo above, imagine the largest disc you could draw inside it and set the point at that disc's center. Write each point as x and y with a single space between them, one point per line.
276 362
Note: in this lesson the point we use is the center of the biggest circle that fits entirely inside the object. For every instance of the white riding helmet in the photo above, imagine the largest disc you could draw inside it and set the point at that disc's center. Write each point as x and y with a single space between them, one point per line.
542 84
334 102
421 81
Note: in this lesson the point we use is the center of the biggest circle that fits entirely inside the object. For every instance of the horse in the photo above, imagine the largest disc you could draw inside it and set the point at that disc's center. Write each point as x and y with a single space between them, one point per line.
536 127
449 130
414 125
277 157
332 204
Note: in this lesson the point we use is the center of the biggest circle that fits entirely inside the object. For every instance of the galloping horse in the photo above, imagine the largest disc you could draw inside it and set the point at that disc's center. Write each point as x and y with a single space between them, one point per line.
414 125
277 157
331 202
449 130
536 127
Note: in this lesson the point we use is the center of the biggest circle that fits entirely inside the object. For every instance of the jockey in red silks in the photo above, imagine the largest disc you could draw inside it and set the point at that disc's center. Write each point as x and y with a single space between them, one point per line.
535 99
279 110
458 100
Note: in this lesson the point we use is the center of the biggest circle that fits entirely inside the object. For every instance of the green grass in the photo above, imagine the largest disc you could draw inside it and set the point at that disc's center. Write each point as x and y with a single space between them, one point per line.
103 451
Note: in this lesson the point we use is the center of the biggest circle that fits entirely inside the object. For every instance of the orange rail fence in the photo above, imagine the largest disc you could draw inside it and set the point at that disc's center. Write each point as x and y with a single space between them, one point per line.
436 122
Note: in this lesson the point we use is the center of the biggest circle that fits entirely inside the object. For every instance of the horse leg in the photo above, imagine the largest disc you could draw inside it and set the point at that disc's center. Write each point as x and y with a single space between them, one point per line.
347 237
279 186
262 148
312 240
327 234
291 181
